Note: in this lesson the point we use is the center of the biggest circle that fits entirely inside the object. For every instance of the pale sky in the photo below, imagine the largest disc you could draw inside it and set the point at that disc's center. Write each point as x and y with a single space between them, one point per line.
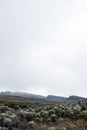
43 46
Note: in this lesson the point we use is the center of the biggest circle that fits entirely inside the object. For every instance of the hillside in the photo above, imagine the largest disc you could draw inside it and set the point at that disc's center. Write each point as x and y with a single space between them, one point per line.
21 113
72 98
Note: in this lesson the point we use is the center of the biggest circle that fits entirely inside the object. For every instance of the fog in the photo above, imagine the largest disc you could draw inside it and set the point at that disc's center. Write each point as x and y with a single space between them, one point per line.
43 46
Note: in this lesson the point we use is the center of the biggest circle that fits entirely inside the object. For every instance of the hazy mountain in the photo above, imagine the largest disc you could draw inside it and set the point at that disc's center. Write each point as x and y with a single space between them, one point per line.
57 98
75 98
21 94
49 97
65 99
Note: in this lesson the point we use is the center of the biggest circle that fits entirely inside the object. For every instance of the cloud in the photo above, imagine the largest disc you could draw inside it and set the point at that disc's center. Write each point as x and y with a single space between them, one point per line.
43 46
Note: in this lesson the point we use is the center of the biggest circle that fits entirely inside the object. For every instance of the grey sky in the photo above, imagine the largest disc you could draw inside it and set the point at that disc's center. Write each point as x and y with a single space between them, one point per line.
43 46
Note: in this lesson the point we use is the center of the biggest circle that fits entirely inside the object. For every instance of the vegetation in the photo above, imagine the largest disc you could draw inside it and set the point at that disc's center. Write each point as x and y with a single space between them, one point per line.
49 116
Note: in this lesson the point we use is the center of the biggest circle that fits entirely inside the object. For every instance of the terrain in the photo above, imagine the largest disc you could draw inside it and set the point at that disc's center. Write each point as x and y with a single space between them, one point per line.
72 98
22 113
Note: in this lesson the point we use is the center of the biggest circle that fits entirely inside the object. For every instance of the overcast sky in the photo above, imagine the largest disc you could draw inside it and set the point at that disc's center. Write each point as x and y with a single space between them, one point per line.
43 46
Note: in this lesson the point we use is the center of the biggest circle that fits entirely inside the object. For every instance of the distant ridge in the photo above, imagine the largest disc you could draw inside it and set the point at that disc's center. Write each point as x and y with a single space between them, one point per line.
75 98
66 99
57 98
22 94
72 98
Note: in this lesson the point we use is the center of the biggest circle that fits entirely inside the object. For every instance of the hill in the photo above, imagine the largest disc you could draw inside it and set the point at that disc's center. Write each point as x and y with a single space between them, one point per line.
72 98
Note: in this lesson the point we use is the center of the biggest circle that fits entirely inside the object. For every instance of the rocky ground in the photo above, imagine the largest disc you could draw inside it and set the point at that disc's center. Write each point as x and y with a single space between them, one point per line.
57 116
